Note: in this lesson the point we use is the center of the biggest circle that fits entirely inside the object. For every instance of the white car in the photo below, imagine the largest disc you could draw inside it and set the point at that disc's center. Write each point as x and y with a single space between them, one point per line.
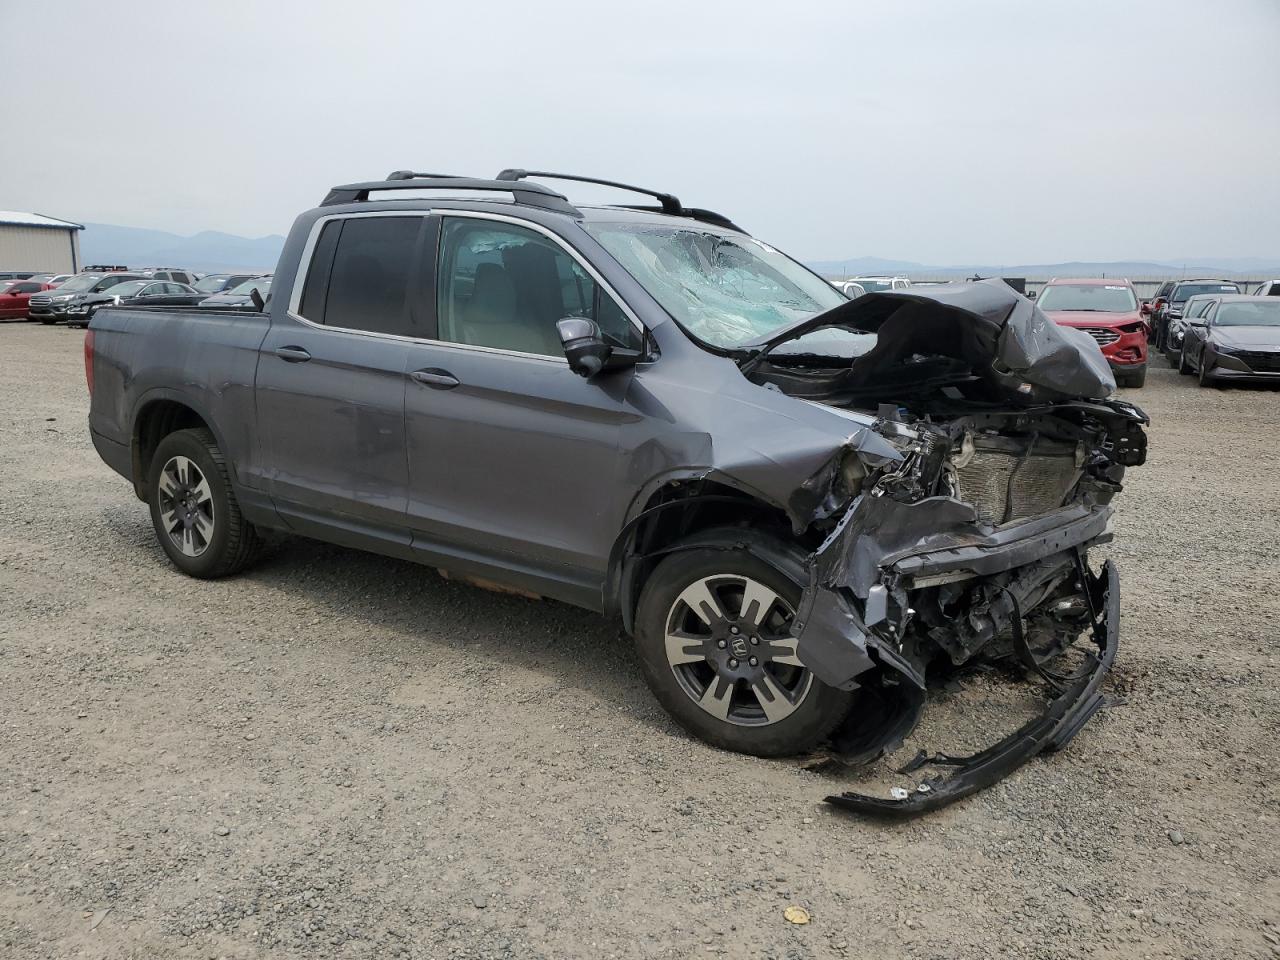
880 284
1267 288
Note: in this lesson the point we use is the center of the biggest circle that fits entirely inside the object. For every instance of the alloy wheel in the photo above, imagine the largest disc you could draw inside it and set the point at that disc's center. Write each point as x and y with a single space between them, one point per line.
728 643
186 506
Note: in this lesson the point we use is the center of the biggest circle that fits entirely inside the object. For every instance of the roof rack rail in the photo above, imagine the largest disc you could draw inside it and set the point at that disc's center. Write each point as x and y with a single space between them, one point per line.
694 213
534 194
670 203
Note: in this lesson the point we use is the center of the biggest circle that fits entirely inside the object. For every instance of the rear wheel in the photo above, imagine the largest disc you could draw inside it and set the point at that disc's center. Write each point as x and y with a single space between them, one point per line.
194 510
713 636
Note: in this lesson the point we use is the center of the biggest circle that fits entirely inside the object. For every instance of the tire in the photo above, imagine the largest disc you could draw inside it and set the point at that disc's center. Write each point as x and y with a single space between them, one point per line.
1184 368
1132 378
204 533
794 711
1206 379
48 321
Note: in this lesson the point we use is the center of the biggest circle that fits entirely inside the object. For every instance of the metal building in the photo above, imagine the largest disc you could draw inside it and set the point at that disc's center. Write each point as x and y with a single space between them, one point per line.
40 244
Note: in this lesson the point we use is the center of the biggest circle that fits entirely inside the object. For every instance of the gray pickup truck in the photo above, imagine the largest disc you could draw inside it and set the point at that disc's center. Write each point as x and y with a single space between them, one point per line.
803 507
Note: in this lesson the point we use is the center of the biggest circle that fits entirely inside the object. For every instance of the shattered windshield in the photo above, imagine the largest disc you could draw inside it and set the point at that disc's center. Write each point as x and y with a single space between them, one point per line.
724 288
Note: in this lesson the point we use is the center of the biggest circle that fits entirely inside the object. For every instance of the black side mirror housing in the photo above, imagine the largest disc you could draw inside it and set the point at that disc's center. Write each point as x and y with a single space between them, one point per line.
587 351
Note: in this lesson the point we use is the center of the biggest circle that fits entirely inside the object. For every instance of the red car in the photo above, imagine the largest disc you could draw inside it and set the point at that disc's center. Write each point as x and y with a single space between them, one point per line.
1109 311
14 295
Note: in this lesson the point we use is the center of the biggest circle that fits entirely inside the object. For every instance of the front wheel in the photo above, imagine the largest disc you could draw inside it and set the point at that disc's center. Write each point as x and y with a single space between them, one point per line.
1184 368
713 636
194 510
1206 378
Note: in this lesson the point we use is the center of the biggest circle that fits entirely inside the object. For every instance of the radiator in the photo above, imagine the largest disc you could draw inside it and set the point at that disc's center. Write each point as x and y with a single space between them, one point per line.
996 476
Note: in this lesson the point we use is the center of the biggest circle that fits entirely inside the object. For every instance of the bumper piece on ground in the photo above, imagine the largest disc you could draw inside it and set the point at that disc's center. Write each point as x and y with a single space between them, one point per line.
1060 721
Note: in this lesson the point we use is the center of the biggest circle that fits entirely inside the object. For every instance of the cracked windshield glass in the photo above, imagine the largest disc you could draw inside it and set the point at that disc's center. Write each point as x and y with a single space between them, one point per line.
725 289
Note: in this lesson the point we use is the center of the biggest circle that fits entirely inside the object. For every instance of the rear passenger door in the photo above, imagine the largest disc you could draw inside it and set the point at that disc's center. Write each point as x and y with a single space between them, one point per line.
513 459
331 381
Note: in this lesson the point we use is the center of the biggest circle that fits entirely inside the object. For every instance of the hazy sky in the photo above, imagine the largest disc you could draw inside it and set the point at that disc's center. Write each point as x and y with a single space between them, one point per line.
942 132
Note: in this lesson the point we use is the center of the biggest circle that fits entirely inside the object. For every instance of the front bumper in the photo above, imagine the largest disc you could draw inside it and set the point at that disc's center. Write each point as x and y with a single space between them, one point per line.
48 311
1053 729
1129 352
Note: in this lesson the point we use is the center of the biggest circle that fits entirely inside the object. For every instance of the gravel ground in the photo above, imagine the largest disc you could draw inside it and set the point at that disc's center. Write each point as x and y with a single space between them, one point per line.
342 755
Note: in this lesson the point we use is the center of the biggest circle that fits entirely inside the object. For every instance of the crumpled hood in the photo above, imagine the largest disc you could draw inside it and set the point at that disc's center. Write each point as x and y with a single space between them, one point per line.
996 330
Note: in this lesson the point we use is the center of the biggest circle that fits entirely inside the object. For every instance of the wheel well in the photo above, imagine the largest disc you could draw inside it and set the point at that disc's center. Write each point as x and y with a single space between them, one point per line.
156 421
680 511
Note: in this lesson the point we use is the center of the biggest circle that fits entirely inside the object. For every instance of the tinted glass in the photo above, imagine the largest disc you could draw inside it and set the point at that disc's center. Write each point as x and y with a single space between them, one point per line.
1184 290
506 287
369 280
130 288
1088 297
23 287
316 287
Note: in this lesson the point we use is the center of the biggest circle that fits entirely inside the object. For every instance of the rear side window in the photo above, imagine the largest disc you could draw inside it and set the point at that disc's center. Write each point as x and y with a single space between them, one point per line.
360 275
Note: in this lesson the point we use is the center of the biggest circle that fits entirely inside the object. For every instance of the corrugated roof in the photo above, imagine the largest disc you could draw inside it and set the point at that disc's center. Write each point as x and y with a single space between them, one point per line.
20 219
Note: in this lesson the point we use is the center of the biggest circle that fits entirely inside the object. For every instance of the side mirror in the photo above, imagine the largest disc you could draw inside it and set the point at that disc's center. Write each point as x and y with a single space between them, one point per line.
584 346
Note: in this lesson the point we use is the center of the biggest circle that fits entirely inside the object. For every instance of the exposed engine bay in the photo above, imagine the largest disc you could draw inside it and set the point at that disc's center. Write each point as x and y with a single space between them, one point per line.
957 525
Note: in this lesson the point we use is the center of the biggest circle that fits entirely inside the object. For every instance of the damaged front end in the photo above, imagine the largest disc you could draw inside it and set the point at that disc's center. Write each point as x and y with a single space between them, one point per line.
960 521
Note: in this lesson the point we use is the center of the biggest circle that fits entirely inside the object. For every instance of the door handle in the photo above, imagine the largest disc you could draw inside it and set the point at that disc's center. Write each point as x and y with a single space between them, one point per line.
435 378
293 354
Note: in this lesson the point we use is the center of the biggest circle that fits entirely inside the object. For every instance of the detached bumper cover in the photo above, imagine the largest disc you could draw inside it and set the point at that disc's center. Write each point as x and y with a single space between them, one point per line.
1053 729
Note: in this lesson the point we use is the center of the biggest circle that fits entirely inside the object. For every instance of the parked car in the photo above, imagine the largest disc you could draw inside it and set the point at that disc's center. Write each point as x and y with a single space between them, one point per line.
15 295
795 502
55 305
877 284
1236 339
59 279
1194 307
851 289
222 282
1171 309
139 293
1267 288
239 297
176 274
1107 310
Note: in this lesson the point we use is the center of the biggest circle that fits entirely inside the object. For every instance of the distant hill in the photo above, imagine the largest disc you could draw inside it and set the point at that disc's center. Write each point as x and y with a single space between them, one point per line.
1246 267
207 251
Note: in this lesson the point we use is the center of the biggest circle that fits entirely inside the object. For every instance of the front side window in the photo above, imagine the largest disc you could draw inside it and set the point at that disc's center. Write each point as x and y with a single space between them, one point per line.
506 287
724 288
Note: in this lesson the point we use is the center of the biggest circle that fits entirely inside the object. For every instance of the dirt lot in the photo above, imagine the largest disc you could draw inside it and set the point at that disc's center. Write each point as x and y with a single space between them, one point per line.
342 755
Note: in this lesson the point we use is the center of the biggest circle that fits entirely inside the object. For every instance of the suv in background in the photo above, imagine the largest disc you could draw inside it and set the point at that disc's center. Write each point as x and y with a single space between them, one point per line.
56 305
1109 311
879 284
1171 308
176 274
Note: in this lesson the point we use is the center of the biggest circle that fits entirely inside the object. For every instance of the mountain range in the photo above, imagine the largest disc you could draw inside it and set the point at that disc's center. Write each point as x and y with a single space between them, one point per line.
1225 267
208 251
213 251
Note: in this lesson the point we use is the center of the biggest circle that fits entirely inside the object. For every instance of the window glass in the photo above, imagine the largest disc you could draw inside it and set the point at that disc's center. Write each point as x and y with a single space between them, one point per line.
506 287
1088 297
369 279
